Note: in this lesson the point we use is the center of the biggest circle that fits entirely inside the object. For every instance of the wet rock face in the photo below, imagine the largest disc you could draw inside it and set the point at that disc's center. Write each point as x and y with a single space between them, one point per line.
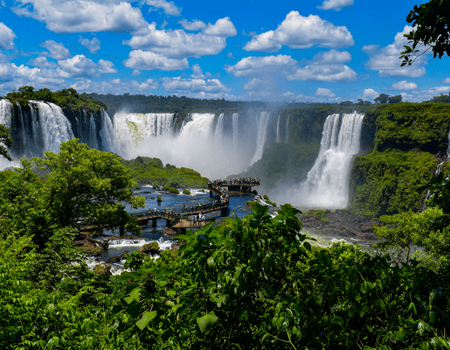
341 223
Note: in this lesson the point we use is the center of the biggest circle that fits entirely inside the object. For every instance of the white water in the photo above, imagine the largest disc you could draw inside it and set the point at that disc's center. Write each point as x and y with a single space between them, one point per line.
260 137
200 144
235 124
107 133
93 138
5 112
55 127
278 130
287 129
219 129
327 182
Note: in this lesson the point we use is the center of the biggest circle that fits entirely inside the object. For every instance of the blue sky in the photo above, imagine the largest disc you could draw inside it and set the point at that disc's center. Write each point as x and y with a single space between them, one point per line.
316 51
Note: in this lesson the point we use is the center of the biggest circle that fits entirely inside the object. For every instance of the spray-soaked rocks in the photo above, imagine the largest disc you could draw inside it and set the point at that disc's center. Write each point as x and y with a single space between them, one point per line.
341 223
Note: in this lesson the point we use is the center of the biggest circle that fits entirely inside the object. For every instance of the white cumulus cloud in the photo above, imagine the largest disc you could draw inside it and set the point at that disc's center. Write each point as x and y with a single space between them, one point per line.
386 59
72 16
92 45
335 4
298 32
7 37
322 92
327 67
192 26
146 60
260 66
56 50
223 27
197 88
42 62
177 43
404 85
168 6
80 66
370 94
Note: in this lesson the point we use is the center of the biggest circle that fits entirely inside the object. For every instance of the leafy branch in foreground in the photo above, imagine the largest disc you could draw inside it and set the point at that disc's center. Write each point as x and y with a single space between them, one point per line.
430 31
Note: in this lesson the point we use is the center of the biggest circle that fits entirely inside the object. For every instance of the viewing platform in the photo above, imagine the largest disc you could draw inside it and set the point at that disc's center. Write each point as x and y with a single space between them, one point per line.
235 187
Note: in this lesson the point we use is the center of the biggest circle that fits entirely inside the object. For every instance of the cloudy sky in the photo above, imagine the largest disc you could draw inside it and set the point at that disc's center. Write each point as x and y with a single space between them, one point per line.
316 50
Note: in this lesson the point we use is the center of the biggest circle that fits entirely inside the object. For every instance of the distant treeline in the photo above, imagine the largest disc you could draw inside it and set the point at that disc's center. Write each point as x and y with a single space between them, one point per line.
169 104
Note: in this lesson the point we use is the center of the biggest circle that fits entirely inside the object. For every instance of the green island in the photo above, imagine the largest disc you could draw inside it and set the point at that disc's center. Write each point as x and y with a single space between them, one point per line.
145 170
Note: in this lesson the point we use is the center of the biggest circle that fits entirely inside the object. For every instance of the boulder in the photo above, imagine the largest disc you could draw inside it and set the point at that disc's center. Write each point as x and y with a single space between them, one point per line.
150 248
113 259
102 269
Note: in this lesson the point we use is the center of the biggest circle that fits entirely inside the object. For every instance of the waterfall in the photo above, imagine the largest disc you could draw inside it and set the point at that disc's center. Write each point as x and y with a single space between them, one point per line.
326 185
235 124
261 136
278 129
218 134
135 128
93 134
107 133
287 129
5 112
55 126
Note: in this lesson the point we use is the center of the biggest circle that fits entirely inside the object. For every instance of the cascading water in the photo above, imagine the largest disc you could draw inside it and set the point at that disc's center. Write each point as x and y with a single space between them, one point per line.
287 129
107 134
327 182
5 112
278 130
93 140
219 128
261 136
235 125
55 126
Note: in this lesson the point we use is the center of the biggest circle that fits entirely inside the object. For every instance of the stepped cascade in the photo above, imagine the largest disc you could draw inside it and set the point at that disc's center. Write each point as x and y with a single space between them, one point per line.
327 182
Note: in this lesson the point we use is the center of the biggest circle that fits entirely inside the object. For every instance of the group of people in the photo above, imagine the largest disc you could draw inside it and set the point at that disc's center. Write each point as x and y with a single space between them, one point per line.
236 181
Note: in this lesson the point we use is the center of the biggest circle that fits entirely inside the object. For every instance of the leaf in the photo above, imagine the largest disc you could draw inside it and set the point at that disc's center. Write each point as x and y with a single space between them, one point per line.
145 319
206 322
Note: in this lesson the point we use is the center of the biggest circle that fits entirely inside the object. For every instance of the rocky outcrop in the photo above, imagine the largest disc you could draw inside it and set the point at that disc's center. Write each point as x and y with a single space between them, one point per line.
150 248
341 223
92 247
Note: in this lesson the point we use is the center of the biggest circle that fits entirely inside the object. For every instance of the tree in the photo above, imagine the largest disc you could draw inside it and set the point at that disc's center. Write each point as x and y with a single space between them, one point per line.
5 141
383 98
83 185
431 30
395 99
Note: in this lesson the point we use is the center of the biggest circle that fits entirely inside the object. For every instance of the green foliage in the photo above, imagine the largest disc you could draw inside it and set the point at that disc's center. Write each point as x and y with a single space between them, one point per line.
408 126
83 184
174 190
430 23
388 182
186 192
266 198
67 99
256 284
146 170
